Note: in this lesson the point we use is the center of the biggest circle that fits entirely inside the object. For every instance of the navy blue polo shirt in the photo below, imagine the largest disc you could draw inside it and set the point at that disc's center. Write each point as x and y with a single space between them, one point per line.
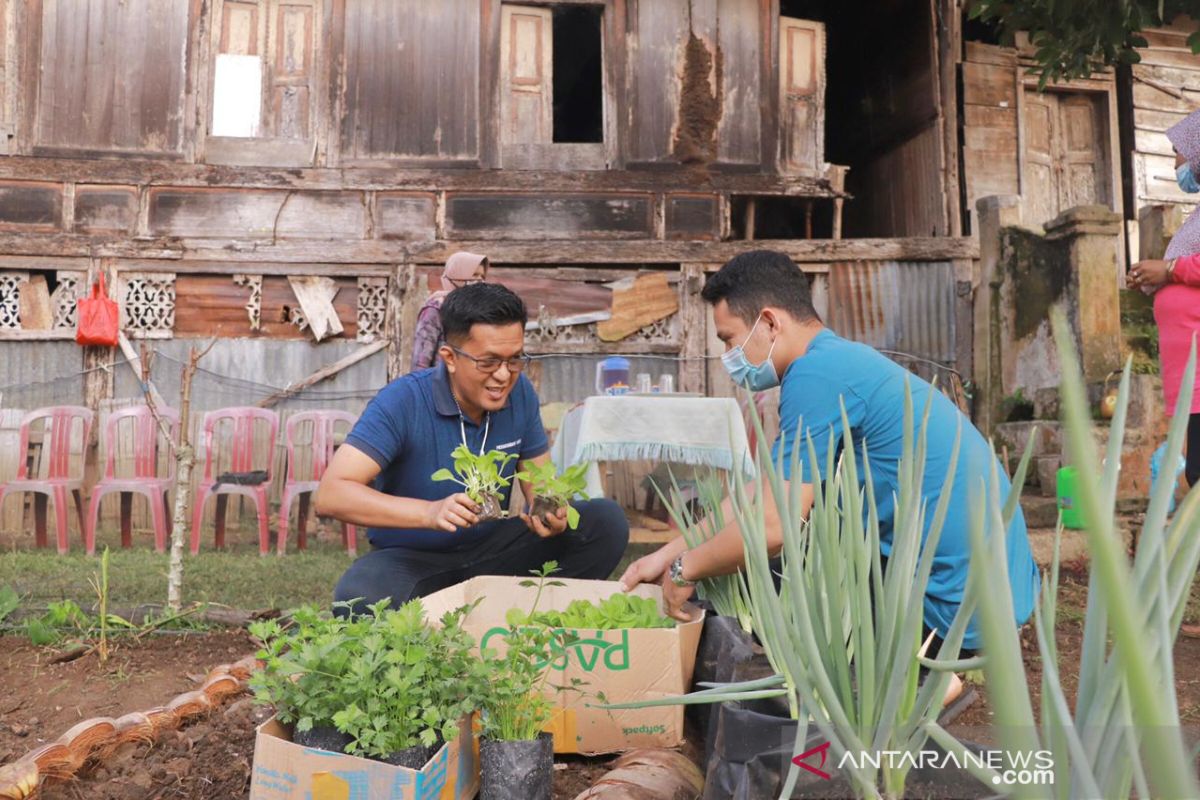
411 427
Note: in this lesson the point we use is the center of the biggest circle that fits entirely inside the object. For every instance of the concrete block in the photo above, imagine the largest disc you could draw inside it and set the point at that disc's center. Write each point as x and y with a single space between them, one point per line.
1047 474
1040 512
1046 404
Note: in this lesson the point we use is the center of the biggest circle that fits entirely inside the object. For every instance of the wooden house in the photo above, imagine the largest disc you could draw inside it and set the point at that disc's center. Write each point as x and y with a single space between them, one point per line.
287 177
1099 140
235 164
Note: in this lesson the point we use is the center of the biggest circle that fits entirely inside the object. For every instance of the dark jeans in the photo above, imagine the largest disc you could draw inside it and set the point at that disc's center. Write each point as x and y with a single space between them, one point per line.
592 550
1192 470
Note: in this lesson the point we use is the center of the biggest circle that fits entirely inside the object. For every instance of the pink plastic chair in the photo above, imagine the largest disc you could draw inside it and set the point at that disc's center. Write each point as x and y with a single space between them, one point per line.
58 432
322 425
243 420
144 481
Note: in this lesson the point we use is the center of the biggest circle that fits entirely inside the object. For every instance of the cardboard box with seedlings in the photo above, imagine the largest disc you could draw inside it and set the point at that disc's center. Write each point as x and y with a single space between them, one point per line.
284 770
618 665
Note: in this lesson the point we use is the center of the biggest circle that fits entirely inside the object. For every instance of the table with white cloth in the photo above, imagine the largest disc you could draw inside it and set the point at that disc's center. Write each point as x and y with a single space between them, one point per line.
698 431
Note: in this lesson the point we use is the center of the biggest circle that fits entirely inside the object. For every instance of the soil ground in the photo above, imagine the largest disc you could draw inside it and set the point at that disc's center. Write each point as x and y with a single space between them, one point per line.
208 759
211 757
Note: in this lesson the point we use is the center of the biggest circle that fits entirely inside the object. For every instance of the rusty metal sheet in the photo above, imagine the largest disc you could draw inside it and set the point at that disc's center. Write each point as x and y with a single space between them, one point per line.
904 307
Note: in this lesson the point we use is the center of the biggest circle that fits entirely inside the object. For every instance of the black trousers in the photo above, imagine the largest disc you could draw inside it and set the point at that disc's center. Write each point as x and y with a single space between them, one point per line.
1192 470
592 550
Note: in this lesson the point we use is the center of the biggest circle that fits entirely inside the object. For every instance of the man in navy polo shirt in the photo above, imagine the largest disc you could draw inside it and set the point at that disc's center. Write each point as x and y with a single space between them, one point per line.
425 535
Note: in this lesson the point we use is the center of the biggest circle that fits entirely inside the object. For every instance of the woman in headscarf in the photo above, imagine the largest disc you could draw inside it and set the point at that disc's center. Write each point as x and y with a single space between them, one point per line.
460 270
1175 282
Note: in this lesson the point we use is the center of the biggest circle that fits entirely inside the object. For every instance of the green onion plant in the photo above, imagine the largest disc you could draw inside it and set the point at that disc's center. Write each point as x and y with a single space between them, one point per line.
1123 735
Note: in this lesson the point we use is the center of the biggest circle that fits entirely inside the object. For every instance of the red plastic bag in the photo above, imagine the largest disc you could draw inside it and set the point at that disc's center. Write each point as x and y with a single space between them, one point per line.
99 318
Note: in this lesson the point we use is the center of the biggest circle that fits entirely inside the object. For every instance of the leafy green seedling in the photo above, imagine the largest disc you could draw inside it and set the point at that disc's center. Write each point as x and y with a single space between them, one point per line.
515 707
386 678
553 491
619 611
480 475
9 600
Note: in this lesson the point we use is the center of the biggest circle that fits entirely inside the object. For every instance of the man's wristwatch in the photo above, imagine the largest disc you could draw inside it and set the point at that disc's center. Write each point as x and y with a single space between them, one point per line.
675 573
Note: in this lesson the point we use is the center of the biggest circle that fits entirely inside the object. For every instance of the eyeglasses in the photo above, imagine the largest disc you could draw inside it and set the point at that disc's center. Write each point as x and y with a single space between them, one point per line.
461 282
490 364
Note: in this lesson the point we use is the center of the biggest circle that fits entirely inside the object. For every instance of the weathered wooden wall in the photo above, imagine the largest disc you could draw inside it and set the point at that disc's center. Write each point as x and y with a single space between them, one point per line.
1165 88
698 71
1057 148
367 81
110 76
991 143
411 79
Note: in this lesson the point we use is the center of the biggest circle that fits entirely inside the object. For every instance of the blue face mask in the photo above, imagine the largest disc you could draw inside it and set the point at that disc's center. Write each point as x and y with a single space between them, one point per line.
755 377
1186 179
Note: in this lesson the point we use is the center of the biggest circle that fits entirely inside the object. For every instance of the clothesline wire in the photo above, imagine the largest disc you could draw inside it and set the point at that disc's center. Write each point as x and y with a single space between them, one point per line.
230 382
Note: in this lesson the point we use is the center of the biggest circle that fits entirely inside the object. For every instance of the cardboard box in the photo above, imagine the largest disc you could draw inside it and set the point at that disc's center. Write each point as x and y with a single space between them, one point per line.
284 770
626 665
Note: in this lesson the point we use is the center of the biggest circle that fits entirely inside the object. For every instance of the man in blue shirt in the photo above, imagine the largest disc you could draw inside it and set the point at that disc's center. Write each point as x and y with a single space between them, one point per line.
426 535
764 315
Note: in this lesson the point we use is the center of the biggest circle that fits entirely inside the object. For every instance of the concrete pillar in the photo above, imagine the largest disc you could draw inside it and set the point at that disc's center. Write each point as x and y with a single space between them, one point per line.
1094 308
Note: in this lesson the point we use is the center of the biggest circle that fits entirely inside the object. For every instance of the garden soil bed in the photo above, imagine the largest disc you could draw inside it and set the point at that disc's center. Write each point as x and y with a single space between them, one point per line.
211 757
975 723
206 759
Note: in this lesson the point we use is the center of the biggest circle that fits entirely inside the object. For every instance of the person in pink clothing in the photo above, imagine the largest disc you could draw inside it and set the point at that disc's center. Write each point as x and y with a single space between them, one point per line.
1175 283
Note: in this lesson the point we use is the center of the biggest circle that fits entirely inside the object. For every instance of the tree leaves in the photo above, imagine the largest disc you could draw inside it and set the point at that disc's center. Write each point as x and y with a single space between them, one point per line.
1075 39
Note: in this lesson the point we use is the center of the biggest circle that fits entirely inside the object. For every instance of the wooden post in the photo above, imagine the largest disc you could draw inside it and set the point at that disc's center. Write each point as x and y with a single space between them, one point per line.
98 365
184 459
994 213
694 319
401 318
324 373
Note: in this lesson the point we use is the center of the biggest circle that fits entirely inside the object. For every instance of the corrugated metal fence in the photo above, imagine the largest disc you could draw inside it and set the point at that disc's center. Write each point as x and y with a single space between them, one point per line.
900 307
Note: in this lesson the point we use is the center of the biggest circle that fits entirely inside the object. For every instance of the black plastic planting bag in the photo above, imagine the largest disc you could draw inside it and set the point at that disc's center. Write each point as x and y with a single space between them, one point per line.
723 645
516 770
751 754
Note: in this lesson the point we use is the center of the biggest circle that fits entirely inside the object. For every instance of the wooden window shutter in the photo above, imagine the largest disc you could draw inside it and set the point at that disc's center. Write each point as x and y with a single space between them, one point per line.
263 82
801 94
526 42
291 52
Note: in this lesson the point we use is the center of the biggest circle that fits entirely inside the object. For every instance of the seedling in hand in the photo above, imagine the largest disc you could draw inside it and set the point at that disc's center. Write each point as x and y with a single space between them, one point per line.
480 475
552 491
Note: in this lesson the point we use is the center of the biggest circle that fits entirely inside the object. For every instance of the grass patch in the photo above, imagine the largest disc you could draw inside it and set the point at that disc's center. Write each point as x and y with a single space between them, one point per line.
237 577
240 578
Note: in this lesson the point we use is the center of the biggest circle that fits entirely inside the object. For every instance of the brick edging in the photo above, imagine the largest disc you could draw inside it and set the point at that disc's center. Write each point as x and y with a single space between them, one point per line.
96 738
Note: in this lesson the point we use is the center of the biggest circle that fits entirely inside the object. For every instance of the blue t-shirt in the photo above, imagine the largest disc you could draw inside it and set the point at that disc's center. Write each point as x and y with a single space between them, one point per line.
835 371
411 427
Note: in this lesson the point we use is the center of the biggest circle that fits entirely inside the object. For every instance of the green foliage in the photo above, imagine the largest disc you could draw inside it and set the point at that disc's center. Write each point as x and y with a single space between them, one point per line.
700 520
62 619
515 707
1123 737
619 611
387 679
478 474
1074 39
558 490
1016 407
9 601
